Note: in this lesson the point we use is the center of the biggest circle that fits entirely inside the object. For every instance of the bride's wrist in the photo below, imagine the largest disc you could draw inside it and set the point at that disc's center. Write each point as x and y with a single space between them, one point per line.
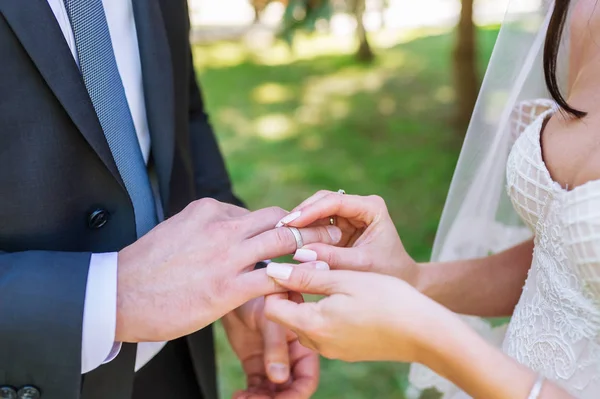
459 354
436 332
421 278
435 340
407 270
440 352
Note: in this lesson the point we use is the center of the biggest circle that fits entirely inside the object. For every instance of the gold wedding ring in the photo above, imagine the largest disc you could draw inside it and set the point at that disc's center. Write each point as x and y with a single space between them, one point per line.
297 236
332 219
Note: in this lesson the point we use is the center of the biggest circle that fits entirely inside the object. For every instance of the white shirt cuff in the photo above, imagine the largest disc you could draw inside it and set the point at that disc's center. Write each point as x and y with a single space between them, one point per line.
100 313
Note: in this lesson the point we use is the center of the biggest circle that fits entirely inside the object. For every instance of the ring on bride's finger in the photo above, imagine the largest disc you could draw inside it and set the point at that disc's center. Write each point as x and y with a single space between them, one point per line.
341 191
297 236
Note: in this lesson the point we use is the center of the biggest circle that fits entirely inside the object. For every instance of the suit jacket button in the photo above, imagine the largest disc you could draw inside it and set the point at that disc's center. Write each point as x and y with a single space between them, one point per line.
7 392
28 392
97 218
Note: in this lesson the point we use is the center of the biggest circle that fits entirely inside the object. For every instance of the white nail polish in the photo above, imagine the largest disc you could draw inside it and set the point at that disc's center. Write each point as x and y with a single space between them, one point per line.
279 371
305 255
279 271
335 233
289 218
322 266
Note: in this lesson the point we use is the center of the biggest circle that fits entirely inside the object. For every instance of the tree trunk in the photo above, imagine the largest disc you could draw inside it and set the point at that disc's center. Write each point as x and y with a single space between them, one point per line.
256 15
465 65
364 53
259 6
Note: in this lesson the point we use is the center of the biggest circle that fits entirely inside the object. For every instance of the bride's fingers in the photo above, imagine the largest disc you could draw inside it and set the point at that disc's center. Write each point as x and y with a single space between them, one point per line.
349 231
315 197
335 257
340 222
321 222
358 210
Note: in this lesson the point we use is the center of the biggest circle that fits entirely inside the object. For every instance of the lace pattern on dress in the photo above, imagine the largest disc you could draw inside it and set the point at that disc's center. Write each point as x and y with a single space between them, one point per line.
555 328
522 115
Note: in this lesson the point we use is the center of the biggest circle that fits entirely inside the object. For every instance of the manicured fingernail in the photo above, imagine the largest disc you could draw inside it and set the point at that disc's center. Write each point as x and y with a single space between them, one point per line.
322 266
335 233
279 271
279 372
288 219
305 255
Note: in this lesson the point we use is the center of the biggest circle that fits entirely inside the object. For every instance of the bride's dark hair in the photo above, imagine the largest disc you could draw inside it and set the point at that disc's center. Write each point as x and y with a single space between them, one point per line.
551 46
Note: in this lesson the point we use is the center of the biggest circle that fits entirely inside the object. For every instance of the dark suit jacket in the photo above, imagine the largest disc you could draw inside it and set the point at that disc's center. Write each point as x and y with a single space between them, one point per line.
58 181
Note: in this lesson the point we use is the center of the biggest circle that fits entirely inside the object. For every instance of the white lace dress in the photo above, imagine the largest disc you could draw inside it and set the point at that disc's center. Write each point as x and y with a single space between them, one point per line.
555 329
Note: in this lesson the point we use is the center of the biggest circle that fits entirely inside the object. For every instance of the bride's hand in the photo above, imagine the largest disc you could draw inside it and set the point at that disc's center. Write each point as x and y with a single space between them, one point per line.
369 241
364 316
371 317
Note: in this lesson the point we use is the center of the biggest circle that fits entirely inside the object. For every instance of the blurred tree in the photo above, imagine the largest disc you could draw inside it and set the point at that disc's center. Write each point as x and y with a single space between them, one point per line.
465 65
260 5
364 52
305 14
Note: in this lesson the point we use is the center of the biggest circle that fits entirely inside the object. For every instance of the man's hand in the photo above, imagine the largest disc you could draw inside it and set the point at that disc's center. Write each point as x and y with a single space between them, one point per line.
197 266
275 363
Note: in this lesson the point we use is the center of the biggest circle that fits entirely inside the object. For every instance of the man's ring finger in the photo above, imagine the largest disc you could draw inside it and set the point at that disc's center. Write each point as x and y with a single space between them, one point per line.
297 236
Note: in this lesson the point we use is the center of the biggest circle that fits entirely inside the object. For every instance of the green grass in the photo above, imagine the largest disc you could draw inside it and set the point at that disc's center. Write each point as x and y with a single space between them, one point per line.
290 125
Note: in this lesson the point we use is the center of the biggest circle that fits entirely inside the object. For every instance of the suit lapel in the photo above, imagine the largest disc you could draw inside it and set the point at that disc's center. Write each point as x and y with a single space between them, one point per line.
157 76
34 24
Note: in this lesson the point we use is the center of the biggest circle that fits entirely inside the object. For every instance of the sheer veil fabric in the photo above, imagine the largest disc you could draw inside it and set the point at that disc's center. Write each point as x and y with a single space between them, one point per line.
478 217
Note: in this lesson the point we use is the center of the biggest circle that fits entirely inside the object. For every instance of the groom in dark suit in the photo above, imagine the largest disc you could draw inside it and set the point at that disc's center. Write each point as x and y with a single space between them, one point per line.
103 135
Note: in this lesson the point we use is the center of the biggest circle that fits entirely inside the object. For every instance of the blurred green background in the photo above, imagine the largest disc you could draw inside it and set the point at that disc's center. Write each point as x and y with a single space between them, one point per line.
294 122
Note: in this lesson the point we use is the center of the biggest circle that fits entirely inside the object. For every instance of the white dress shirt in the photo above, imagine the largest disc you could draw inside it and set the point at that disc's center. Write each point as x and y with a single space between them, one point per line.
100 310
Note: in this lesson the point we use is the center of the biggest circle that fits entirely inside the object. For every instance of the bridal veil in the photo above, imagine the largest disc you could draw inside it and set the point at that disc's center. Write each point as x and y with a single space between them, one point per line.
478 218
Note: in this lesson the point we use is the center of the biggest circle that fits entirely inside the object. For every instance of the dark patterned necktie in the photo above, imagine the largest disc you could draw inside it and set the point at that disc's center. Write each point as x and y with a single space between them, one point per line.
101 77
